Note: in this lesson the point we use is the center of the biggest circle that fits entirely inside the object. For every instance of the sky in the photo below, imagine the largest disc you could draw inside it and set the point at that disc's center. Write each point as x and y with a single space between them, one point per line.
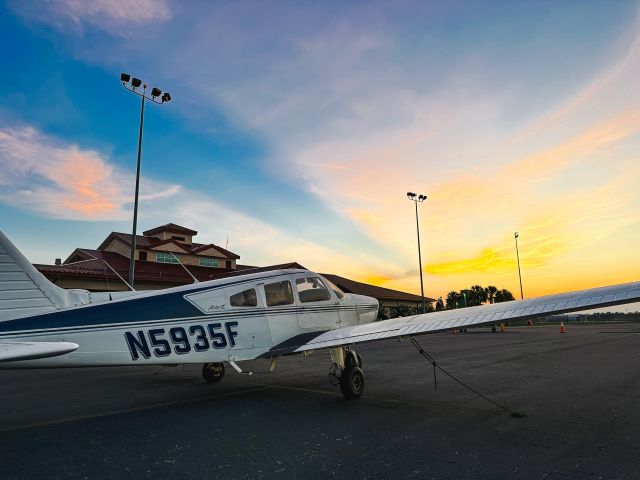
296 128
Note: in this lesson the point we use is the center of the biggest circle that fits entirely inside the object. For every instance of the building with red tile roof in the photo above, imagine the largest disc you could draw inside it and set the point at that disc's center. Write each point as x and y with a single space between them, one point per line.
165 256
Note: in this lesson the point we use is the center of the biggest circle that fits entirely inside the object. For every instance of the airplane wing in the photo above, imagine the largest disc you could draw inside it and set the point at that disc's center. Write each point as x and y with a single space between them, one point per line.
13 351
474 316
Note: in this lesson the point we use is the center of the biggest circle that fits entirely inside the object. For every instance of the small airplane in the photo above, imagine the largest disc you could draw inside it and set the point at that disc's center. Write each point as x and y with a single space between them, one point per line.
227 321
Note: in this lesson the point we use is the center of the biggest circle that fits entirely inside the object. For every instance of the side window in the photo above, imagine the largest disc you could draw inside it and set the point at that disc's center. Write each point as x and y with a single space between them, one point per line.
246 298
279 293
311 289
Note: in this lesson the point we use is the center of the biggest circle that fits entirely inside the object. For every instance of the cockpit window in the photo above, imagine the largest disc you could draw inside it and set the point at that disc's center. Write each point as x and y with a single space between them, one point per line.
311 289
246 298
339 293
279 293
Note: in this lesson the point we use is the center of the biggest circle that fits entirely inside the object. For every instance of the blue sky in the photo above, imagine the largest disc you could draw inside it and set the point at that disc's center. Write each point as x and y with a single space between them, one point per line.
296 129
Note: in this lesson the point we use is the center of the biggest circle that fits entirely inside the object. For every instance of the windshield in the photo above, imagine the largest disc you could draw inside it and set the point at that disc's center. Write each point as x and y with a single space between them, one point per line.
339 293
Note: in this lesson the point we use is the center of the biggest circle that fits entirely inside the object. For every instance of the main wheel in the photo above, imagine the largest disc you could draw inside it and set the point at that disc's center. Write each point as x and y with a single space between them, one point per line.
352 359
352 382
213 372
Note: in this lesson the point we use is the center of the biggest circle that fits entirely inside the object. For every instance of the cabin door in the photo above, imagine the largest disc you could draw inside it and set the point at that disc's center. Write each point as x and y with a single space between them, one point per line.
317 306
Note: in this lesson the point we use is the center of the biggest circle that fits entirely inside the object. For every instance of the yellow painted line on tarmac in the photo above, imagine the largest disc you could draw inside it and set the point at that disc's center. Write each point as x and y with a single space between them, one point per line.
134 409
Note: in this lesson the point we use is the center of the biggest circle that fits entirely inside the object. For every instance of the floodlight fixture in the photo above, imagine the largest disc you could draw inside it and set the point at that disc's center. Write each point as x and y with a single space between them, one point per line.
411 195
156 92
125 77
516 234
422 198
136 82
166 97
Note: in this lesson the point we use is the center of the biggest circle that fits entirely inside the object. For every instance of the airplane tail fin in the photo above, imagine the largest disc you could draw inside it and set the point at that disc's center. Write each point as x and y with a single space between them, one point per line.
24 291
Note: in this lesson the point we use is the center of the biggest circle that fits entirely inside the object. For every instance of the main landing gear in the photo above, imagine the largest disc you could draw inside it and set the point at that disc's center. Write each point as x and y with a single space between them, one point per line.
346 370
213 372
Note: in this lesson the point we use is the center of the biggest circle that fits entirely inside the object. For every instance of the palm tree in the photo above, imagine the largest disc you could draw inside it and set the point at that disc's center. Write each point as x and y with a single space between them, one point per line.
490 293
478 295
453 298
504 295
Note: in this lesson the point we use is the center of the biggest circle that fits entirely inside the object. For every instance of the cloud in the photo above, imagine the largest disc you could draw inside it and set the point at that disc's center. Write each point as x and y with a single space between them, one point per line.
517 174
59 180
619 71
110 15
569 223
257 241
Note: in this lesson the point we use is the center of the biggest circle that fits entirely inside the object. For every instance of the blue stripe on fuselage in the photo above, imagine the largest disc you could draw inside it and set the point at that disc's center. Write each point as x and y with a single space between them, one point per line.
161 306
155 307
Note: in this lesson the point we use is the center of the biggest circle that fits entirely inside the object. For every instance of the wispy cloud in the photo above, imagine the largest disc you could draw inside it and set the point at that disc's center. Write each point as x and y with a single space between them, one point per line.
110 15
615 75
60 180
258 242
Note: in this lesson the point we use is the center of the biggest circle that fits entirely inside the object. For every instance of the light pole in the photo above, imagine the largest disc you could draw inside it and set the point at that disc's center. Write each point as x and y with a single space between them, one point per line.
131 84
415 198
516 235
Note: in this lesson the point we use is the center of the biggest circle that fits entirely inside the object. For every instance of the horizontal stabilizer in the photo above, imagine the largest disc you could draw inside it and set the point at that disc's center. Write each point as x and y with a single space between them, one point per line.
14 351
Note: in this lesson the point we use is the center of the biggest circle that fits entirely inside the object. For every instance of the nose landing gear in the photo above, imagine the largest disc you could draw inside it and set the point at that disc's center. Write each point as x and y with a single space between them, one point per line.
346 370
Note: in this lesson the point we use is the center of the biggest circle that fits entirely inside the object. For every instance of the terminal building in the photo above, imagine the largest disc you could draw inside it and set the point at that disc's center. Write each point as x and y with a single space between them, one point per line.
162 257
166 256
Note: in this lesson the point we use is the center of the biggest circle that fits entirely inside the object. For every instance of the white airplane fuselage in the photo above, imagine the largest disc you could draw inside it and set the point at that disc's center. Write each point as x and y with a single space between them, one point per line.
232 319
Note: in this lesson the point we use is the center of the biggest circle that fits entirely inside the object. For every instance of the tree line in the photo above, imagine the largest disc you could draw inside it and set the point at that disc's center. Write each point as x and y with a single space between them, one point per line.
474 296
468 297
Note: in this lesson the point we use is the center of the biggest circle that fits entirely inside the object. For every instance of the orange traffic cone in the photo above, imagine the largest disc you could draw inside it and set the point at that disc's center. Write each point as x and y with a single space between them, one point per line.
562 329
502 327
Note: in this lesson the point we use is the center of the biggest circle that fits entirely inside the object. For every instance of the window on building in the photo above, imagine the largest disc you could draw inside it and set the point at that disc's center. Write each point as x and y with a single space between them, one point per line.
181 239
246 298
142 256
311 289
208 262
227 264
279 293
163 257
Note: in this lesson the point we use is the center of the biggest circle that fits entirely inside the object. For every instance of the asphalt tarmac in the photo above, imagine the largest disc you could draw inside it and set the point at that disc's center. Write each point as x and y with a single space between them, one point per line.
580 392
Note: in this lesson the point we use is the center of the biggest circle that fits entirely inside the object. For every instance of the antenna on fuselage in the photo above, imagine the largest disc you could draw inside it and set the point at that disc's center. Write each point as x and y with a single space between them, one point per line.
195 280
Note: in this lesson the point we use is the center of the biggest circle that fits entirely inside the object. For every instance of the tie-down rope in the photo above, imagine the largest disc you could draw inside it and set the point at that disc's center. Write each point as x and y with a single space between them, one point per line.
435 380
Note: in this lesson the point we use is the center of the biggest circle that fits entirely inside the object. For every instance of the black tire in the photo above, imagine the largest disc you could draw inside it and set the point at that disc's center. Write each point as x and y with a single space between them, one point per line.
352 382
352 359
212 372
